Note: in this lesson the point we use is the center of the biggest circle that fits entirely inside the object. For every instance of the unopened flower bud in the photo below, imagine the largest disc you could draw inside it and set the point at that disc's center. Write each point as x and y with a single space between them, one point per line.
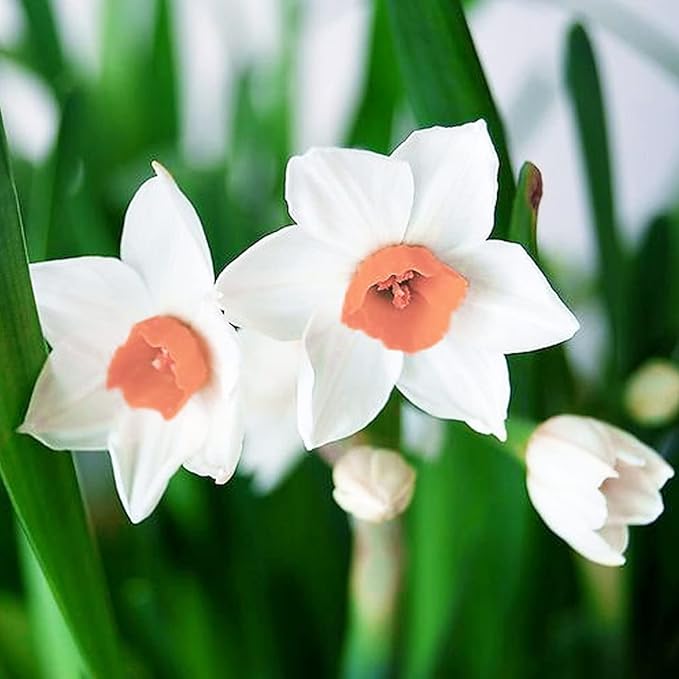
589 481
652 394
373 484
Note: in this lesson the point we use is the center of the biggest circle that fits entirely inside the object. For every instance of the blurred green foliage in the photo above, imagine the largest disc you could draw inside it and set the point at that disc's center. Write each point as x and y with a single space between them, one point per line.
223 583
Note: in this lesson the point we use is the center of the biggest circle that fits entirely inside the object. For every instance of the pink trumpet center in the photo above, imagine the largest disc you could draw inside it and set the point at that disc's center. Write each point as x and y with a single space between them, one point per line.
404 296
161 365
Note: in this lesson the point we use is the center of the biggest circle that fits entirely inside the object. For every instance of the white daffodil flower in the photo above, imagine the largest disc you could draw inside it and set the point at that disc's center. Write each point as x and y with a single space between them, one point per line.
272 444
589 481
143 362
373 484
389 279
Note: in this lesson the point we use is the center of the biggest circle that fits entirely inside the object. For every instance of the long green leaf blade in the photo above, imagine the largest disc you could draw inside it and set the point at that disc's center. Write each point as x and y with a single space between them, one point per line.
382 90
46 52
588 106
42 485
468 515
445 81
55 651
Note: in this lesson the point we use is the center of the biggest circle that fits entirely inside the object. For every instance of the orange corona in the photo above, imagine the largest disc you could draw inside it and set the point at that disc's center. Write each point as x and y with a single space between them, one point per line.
160 366
404 296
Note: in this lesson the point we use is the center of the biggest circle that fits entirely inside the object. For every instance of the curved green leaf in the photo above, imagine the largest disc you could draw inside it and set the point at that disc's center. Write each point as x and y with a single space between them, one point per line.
42 485
585 90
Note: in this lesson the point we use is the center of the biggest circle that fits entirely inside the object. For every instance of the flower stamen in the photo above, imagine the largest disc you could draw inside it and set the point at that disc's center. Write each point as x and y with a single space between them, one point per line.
399 288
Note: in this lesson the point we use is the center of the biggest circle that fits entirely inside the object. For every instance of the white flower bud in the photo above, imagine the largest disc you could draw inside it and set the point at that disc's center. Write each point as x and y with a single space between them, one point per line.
652 394
373 484
589 481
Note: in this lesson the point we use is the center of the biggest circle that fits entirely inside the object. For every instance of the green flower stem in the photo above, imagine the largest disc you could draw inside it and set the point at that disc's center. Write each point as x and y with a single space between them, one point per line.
375 584
604 589
606 595
375 572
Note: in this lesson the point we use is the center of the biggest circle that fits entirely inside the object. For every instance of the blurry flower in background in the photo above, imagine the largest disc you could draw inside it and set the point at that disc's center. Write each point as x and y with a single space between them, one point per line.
272 444
330 67
143 363
386 251
218 40
373 484
29 112
652 393
589 481
80 26
11 23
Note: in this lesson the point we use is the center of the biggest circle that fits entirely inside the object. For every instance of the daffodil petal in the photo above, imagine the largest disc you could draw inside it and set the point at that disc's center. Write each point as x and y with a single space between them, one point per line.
222 448
655 468
592 544
632 498
455 171
272 444
220 453
345 380
97 299
510 306
456 381
275 286
355 201
272 447
70 408
146 451
163 240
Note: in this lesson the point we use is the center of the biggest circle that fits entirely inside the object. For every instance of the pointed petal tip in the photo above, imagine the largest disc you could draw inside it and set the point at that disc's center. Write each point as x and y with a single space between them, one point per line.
500 433
573 324
615 561
161 170
25 428
667 472
136 517
222 475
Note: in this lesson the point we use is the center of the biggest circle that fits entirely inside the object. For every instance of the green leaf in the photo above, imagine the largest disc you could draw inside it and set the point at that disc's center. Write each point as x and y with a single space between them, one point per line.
16 652
588 106
42 485
63 217
468 515
46 52
630 25
55 652
382 89
654 319
445 81
161 107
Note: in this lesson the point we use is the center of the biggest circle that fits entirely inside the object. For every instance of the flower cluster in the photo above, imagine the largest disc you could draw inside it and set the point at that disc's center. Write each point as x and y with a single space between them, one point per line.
386 279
